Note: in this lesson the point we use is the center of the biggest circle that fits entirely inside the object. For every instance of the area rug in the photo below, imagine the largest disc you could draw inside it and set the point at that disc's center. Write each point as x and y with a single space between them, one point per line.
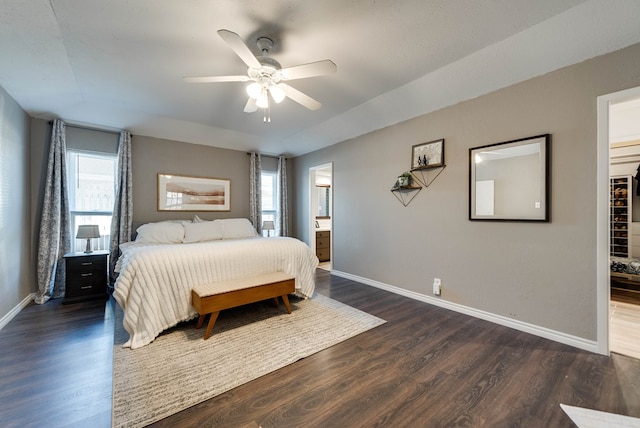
588 418
180 369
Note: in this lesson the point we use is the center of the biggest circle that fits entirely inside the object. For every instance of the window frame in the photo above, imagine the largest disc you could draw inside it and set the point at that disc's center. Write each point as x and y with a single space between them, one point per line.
271 214
102 243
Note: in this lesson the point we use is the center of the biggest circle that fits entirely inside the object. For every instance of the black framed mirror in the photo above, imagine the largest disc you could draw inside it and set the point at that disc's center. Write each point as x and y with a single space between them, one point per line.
510 181
324 201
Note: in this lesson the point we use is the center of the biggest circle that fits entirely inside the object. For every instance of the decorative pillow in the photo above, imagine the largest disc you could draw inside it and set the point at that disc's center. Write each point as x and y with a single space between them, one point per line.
169 232
202 231
197 219
235 228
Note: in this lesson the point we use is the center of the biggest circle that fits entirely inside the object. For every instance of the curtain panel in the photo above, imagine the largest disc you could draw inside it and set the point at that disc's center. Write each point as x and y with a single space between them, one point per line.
122 219
255 190
282 223
55 226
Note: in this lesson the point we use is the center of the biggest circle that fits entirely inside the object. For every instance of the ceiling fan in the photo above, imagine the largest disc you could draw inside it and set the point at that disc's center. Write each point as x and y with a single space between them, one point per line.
266 75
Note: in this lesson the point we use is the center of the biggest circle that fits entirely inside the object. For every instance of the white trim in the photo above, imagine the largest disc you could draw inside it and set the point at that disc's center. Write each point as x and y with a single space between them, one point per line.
557 336
602 215
16 310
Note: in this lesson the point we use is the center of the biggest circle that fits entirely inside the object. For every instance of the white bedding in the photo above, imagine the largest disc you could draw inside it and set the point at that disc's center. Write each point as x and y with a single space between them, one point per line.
155 281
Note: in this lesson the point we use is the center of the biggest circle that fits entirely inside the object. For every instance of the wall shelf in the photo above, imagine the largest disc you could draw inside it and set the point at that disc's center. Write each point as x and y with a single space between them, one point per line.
405 194
426 175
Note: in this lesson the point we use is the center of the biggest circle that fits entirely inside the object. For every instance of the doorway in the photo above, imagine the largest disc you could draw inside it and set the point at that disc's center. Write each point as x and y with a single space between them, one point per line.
321 213
618 160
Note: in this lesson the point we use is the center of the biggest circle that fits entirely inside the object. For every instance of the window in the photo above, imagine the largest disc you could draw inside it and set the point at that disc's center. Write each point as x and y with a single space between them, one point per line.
91 179
269 196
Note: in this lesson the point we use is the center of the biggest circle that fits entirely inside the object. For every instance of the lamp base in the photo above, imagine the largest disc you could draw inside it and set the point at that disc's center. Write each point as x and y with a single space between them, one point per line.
88 249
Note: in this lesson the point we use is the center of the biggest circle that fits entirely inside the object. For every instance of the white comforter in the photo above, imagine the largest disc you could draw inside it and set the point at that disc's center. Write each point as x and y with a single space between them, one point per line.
155 282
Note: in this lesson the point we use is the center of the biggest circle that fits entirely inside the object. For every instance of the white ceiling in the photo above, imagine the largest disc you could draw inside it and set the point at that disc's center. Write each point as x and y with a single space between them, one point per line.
624 121
119 64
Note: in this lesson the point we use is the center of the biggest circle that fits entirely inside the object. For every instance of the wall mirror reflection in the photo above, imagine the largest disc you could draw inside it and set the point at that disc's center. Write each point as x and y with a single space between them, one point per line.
324 199
510 181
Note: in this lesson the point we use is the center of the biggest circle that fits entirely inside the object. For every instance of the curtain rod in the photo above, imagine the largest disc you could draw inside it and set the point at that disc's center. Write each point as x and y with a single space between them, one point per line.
88 128
266 156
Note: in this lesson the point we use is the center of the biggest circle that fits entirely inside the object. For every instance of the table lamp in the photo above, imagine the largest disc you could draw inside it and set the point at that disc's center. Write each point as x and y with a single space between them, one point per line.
88 232
268 226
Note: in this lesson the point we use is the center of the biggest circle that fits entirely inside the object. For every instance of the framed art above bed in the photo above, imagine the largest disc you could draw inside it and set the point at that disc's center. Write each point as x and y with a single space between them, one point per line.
184 193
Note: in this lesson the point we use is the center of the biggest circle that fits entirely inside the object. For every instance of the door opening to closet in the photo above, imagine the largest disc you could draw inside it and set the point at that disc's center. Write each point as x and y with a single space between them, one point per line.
624 225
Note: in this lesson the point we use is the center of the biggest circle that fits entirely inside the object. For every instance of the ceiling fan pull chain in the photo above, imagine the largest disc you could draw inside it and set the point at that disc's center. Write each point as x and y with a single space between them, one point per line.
267 111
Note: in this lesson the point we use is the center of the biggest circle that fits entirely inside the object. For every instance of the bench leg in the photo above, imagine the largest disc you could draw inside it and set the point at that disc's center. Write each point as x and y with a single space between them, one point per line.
201 320
275 299
285 299
212 321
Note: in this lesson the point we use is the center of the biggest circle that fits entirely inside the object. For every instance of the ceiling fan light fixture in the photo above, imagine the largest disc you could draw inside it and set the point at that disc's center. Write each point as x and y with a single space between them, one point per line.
277 93
254 90
263 99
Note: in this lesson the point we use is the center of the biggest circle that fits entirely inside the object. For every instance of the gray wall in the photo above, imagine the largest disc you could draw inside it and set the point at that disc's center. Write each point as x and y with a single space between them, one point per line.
541 273
16 275
151 156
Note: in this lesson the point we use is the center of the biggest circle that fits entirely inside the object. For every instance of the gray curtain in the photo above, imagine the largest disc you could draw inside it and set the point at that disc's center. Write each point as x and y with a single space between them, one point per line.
122 220
55 226
255 189
282 223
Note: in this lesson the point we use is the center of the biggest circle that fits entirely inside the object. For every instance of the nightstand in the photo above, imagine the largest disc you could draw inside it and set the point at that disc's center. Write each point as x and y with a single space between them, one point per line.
86 276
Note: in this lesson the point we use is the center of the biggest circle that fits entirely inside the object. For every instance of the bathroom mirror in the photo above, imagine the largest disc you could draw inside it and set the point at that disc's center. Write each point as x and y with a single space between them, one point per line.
324 199
510 181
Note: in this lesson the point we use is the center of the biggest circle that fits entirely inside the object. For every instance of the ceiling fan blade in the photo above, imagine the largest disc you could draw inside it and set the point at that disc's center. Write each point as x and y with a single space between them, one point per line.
251 106
300 97
319 68
236 43
216 79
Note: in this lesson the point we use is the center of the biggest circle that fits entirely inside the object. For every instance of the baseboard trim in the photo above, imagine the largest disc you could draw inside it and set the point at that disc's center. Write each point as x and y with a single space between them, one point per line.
556 336
16 310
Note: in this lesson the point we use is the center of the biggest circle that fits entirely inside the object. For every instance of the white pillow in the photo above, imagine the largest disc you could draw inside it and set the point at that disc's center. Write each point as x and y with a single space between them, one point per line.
197 219
163 232
235 228
202 231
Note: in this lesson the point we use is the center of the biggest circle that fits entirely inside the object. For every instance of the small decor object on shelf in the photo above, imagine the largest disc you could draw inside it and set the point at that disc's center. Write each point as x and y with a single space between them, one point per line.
88 232
428 155
405 179
404 190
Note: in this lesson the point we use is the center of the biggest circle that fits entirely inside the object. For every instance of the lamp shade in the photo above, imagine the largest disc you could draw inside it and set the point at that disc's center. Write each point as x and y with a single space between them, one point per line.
277 93
88 231
254 89
263 99
267 225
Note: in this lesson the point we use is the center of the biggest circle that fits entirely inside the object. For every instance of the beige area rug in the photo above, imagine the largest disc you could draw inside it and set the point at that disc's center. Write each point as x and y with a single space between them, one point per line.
587 418
180 369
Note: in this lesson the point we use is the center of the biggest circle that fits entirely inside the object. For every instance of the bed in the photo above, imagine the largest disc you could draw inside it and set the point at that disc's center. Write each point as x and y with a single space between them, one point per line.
157 271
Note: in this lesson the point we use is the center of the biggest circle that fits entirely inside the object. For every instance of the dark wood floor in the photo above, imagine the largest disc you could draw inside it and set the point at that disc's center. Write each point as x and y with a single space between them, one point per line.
426 367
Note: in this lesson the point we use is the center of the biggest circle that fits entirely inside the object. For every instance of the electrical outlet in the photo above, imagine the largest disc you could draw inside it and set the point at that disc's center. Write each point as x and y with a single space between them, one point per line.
436 286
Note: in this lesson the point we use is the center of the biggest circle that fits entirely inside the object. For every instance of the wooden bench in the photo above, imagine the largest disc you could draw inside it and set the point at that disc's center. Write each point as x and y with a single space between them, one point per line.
212 298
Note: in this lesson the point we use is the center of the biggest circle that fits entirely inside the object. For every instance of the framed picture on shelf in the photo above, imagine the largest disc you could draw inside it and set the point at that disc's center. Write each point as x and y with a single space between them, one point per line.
184 193
427 155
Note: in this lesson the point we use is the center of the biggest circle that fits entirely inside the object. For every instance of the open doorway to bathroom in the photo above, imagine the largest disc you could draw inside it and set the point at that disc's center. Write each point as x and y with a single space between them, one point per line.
321 213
